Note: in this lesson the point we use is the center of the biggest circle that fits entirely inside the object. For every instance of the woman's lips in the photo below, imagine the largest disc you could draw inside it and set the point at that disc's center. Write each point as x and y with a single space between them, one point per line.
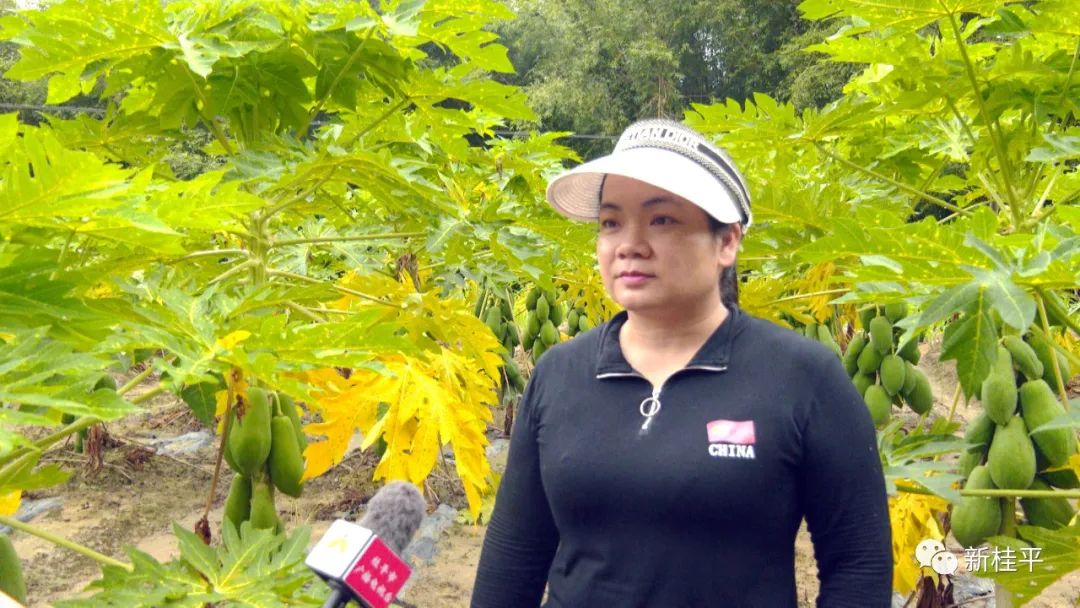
635 279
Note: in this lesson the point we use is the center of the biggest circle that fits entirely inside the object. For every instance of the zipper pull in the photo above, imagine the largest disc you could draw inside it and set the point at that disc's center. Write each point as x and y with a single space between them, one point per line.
648 408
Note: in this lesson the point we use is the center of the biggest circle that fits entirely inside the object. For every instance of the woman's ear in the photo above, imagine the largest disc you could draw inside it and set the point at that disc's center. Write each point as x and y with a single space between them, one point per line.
728 246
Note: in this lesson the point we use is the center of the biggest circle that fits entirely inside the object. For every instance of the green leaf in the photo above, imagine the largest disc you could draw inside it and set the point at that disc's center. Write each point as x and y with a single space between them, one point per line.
1059 147
200 398
1015 306
972 343
1058 554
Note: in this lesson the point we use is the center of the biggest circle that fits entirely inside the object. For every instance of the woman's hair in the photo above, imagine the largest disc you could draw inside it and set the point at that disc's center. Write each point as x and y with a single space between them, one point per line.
729 278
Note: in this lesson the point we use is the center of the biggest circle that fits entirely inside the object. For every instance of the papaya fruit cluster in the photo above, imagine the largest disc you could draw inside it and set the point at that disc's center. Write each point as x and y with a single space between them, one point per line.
1016 398
500 320
577 321
542 322
884 374
265 448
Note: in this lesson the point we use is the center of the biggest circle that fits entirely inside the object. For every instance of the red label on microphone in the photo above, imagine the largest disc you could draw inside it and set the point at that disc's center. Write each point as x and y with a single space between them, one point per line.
377 575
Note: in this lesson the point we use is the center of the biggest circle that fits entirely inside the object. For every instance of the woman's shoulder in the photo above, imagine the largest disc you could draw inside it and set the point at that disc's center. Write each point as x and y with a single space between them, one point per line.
776 343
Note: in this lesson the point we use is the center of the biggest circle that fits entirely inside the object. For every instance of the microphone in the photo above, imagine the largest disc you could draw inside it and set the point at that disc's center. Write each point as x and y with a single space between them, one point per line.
361 563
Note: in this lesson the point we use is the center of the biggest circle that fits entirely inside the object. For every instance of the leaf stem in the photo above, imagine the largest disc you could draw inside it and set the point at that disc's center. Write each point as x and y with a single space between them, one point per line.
995 136
63 542
305 311
150 394
955 401
999 493
387 114
814 294
232 271
1055 371
335 239
902 186
143 375
337 79
352 292
207 253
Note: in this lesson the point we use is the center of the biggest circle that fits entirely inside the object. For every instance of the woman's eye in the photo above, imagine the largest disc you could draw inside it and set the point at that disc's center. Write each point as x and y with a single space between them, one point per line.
665 217
605 223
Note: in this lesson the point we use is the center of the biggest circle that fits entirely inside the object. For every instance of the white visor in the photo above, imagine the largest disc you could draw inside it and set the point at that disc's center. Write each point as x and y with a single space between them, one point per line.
664 154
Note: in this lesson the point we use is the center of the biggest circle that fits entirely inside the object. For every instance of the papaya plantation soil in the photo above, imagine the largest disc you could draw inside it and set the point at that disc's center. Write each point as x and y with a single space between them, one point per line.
135 495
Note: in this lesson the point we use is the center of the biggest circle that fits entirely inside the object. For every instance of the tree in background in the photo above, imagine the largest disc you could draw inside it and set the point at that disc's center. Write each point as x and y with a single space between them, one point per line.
594 66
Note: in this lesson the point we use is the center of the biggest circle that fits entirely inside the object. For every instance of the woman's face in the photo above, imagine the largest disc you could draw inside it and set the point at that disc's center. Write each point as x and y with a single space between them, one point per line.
647 230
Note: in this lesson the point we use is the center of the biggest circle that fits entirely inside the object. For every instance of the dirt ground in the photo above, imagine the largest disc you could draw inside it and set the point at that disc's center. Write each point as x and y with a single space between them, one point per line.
135 497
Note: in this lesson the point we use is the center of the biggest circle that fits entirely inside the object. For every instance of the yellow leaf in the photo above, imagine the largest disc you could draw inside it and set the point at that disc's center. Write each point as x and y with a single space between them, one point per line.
913 518
9 503
232 339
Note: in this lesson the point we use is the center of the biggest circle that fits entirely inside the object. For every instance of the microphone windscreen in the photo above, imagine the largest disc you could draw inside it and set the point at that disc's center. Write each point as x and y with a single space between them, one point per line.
394 514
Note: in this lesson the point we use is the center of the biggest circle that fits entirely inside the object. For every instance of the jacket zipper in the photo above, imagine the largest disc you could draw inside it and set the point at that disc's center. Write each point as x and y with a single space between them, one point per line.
650 406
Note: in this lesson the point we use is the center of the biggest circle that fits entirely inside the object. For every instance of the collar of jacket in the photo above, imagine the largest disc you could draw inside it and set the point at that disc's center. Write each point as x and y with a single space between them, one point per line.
714 354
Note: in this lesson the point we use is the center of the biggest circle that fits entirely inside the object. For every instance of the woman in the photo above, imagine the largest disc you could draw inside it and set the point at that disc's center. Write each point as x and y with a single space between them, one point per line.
667 456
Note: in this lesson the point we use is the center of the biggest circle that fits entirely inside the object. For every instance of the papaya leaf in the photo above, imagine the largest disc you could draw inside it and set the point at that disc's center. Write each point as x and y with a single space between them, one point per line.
972 343
1056 553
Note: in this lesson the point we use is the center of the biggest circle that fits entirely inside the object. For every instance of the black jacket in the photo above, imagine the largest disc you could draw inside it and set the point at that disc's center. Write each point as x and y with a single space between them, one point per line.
688 513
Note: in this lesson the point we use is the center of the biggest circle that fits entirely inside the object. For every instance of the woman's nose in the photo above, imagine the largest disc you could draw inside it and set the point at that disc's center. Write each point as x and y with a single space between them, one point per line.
632 241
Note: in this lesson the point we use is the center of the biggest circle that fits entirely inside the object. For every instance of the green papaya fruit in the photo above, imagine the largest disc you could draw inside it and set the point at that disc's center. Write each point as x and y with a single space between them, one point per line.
878 402
851 355
527 341
250 437
289 408
11 572
548 333
1038 406
881 335
584 324
976 517
1003 363
572 320
1052 513
507 311
1065 479
810 330
869 360
286 461
1011 460
493 319
512 334
866 315
921 398
538 350
896 311
558 313
1057 312
862 382
238 503
543 309
263 512
530 300
910 352
980 431
1050 358
514 375
892 370
998 390
909 380
969 459
532 324
825 337
1024 357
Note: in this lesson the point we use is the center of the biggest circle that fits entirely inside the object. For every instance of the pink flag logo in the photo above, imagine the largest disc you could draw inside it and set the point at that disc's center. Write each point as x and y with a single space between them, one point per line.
731 431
